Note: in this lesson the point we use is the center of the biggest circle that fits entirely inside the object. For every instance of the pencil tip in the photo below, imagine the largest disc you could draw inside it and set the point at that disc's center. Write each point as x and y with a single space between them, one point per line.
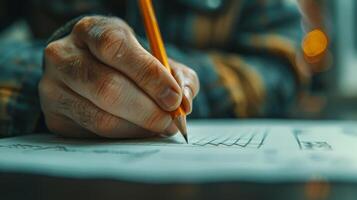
180 122
186 139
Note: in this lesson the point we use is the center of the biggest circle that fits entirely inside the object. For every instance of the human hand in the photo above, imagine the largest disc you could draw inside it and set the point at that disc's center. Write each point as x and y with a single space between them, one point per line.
100 81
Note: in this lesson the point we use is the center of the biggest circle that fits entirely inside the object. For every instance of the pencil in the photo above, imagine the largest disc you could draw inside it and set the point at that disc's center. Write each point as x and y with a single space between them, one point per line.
158 50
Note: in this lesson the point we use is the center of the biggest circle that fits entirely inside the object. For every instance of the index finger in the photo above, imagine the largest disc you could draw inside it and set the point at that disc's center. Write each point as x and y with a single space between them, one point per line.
112 42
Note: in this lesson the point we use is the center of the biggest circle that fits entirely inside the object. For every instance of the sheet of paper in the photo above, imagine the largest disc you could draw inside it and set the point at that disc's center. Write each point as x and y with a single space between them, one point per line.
259 151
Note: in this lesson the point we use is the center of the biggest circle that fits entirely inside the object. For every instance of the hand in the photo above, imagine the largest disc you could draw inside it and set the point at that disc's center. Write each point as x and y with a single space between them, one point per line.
100 80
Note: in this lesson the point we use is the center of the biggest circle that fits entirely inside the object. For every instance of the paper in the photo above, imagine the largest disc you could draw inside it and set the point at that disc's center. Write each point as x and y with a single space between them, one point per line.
257 151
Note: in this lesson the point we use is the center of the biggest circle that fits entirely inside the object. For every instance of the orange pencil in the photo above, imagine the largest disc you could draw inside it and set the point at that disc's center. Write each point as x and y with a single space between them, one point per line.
158 50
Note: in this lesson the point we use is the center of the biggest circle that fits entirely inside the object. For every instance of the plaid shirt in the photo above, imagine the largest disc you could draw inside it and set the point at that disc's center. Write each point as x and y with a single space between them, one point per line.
242 50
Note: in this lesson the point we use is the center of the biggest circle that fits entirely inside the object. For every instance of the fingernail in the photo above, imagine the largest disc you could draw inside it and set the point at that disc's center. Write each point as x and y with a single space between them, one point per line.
169 98
188 94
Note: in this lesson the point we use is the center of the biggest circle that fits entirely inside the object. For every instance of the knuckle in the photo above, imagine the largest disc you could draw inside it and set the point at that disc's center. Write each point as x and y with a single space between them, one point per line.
73 68
63 60
111 43
107 34
84 24
109 91
52 51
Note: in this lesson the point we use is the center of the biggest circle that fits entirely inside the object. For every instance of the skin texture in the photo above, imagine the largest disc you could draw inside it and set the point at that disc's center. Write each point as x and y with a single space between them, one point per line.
99 81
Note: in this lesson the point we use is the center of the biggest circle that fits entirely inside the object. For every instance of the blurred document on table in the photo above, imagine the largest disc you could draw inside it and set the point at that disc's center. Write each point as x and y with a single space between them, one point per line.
259 151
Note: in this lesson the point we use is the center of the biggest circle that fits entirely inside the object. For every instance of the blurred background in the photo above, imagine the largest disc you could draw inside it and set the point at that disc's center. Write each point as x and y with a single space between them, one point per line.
335 88
341 80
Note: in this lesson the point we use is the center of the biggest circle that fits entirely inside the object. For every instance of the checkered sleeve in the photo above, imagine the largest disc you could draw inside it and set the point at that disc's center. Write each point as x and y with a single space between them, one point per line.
20 66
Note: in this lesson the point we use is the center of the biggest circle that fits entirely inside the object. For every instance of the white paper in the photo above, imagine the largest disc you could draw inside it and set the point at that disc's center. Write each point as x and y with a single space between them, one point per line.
258 151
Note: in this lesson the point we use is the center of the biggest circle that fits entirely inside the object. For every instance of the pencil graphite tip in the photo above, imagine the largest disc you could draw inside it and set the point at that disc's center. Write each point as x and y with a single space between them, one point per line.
180 122
186 139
